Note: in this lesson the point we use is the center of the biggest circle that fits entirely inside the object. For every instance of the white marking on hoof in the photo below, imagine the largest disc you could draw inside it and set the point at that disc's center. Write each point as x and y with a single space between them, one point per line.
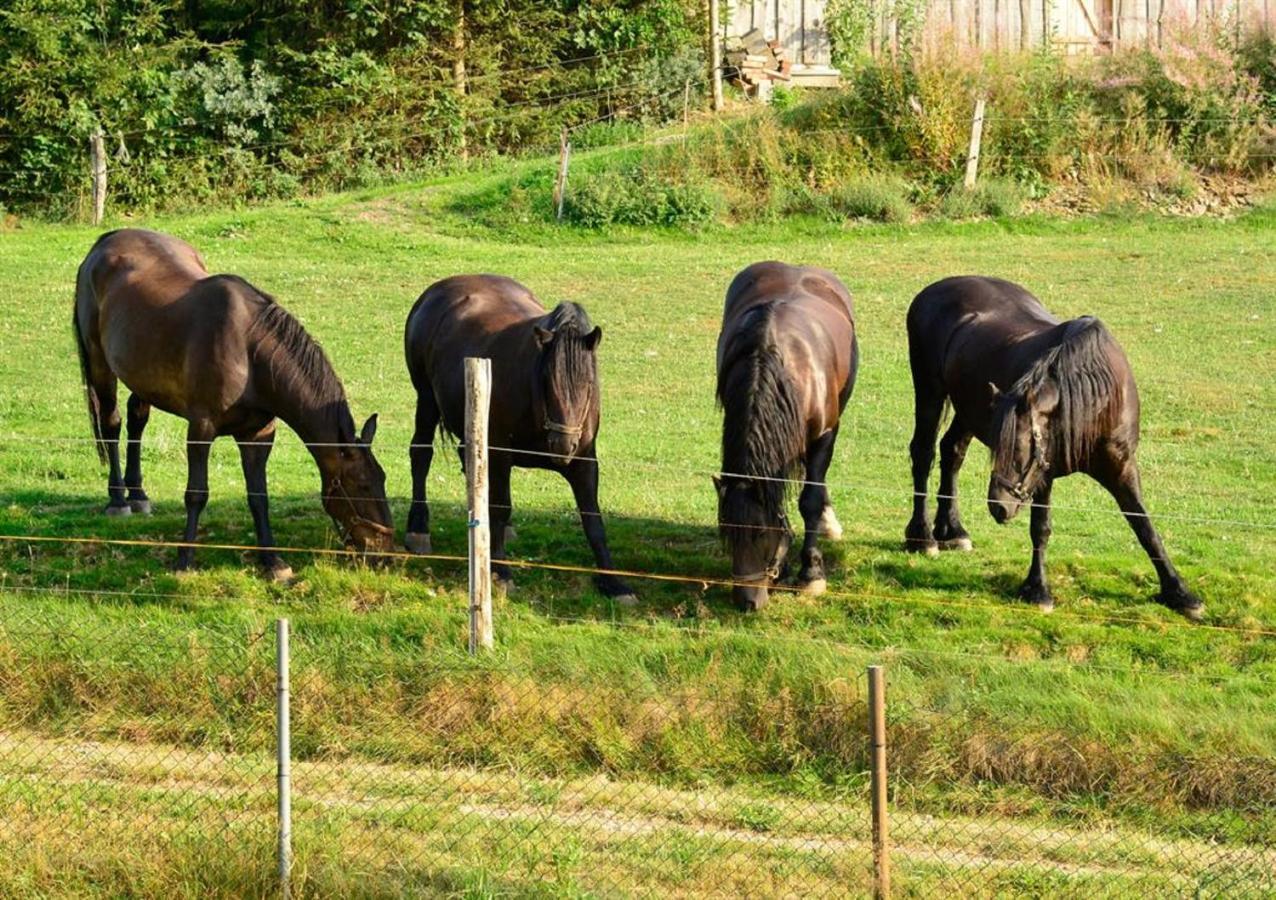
829 526
1193 613
815 587
626 599
417 542
116 512
510 534
962 544
1046 607
502 586
932 550
141 507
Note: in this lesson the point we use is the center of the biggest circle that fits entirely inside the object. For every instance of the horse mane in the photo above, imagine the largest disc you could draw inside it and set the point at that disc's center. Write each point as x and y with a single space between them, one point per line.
295 358
762 423
1089 391
570 361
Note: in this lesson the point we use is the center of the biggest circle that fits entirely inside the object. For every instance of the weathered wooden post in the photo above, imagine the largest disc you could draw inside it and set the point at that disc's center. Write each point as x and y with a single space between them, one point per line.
877 742
686 107
460 83
97 155
715 54
560 183
976 137
283 748
478 391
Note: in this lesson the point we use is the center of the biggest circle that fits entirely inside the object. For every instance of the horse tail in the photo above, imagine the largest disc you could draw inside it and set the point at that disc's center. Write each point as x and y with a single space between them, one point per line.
90 395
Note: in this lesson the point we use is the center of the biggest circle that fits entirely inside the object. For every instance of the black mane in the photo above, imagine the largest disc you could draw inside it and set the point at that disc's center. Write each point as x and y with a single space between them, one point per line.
1089 391
295 359
568 360
762 422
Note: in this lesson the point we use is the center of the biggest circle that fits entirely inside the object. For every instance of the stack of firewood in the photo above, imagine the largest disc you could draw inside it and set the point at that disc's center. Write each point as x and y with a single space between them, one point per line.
755 59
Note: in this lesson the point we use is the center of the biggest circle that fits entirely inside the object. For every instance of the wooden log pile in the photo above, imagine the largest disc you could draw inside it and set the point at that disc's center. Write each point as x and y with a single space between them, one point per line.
756 60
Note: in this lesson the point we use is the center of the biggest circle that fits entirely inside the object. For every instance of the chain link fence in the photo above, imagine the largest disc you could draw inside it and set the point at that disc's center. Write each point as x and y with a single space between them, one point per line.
141 759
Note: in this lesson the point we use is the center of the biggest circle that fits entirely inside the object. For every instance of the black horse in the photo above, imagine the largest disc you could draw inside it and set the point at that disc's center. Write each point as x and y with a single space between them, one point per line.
1049 398
545 399
787 357
227 358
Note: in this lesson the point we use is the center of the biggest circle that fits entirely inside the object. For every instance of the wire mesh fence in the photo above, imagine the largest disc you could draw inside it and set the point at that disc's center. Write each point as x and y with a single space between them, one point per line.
137 753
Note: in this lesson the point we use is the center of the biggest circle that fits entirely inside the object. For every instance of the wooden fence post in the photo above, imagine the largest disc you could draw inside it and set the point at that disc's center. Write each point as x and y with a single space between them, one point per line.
97 156
881 824
460 82
976 136
560 183
715 54
478 390
686 107
283 749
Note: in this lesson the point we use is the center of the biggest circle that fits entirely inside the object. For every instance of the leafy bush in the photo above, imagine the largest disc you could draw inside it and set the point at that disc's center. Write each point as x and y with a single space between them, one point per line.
989 197
636 196
877 199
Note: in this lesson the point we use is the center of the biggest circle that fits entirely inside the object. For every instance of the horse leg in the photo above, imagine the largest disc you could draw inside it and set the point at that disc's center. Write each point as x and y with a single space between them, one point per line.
918 537
813 503
199 439
139 413
109 423
500 506
417 536
1122 481
1034 588
582 475
254 451
949 532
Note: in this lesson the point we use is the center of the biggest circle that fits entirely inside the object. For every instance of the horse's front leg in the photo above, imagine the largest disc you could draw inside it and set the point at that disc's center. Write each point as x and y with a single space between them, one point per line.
817 514
500 507
254 452
1123 484
417 534
582 475
918 537
199 439
1034 588
949 532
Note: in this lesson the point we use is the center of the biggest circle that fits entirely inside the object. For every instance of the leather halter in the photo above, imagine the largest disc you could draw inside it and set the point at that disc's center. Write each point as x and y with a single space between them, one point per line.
338 490
771 572
573 430
1016 488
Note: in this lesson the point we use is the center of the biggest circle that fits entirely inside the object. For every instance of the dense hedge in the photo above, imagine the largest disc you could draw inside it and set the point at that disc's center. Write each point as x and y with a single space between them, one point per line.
218 99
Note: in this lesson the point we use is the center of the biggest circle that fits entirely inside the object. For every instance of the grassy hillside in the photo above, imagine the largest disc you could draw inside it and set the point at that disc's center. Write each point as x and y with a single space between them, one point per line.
1111 713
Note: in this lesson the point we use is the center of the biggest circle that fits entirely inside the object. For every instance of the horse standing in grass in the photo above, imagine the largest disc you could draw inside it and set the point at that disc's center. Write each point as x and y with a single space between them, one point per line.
224 356
545 400
787 358
1049 398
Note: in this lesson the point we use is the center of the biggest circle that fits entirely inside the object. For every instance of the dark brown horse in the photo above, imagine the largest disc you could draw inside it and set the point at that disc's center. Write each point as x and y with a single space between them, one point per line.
224 356
545 400
1049 398
787 357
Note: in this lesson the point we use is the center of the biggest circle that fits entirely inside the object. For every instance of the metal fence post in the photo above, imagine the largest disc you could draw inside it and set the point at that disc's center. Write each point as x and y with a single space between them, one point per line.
478 388
877 740
284 749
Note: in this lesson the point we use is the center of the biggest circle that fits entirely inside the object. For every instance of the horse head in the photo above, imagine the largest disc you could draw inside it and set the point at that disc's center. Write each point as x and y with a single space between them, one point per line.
565 387
757 532
1022 420
354 491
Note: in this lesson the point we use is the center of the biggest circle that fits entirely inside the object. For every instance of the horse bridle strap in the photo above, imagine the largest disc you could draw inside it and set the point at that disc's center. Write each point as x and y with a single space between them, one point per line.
336 488
563 429
771 573
1016 488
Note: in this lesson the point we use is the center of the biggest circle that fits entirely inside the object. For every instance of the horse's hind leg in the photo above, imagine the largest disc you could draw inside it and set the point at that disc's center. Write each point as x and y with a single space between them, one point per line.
199 441
254 452
949 532
813 503
500 505
918 537
109 422
139 412
421 454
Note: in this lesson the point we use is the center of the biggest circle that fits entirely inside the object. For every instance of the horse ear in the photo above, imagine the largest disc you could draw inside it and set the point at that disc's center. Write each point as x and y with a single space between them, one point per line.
1044 399
543 335
994 391
369 430
594 338
717 486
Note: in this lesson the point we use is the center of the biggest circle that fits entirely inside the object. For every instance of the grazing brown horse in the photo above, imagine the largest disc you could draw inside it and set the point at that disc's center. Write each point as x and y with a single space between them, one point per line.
1049 398
224 356
787 358
545 400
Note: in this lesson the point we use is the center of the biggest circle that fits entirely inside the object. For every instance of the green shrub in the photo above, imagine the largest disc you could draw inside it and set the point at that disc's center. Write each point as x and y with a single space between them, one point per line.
637 196
989 197
878 199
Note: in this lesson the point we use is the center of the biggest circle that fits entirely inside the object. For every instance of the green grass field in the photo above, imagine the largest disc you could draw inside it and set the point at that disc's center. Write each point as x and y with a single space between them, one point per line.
1112 716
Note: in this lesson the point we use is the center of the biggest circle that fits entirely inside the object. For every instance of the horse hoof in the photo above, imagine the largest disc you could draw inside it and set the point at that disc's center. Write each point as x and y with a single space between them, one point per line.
141 507
510 534
1045 606
628 600
814 587
502 586
280 574
118 511
829 526
1193 613
417 542
963 544
929 547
